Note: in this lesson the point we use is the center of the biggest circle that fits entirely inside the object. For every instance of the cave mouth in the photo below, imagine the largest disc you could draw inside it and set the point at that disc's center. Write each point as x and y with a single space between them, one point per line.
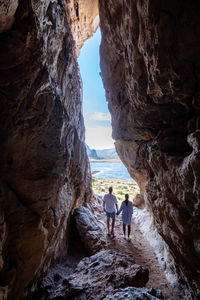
106 166
97 118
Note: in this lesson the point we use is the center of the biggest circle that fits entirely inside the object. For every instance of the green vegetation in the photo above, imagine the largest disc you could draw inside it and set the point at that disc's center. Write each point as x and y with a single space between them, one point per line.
120 187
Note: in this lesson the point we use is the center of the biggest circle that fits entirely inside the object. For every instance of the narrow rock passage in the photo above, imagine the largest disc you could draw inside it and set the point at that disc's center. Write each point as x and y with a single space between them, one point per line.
142 253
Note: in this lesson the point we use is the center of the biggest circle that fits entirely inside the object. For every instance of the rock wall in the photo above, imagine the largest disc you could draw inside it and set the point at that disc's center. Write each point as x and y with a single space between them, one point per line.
83 19
43 161
150 68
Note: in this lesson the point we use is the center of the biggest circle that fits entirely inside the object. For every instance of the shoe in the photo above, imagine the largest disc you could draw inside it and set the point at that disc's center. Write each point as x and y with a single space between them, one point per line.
108 234
112 235
124 236
129 239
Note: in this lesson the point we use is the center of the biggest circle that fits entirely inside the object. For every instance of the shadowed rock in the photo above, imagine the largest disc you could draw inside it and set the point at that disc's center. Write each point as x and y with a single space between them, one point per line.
89 229
43 160
100 274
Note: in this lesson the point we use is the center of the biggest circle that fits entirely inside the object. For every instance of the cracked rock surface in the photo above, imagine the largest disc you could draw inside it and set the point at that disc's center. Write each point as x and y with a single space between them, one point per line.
150 68
43 161
99 274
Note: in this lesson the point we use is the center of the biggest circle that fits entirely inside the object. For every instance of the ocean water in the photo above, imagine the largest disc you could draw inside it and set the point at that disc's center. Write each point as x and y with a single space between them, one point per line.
109 170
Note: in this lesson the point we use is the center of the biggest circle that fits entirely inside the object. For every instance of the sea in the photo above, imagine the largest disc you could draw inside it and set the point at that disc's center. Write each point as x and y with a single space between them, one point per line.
103 169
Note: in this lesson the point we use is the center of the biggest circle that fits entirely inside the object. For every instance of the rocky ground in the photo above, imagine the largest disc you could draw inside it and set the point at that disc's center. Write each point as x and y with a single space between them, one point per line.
103 267
143 254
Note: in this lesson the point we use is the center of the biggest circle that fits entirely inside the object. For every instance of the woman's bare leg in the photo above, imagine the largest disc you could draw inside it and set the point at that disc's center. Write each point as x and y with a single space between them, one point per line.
129 230
124 229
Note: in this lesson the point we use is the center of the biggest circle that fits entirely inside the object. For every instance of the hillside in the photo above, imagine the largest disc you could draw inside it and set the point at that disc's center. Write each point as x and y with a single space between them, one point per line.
91 152
107 153
102 154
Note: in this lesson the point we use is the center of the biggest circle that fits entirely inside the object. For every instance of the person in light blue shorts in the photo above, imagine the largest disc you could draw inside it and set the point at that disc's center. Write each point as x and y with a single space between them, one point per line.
109 205
127 211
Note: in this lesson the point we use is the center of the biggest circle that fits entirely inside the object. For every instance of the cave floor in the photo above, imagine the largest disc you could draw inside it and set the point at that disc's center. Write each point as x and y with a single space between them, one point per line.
143 254
138 247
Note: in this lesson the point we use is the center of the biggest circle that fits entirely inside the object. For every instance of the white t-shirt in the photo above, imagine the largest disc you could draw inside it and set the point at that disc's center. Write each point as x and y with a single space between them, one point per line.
110 201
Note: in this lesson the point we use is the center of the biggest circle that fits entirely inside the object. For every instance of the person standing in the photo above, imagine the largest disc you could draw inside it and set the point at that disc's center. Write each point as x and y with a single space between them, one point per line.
109 206
127 211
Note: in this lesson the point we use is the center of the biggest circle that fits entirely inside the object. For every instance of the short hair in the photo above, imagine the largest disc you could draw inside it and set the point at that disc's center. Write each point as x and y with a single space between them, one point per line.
110 189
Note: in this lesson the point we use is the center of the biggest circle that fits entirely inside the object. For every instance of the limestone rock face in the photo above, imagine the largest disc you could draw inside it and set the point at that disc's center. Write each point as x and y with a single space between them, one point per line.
150 69
98 275
84 19
89 229
135 293
43 161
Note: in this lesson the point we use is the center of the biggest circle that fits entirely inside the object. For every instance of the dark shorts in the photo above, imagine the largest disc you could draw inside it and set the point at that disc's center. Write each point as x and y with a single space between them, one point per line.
110 215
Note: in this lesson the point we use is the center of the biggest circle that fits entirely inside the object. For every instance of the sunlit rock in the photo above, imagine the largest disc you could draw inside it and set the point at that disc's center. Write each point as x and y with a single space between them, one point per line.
84 20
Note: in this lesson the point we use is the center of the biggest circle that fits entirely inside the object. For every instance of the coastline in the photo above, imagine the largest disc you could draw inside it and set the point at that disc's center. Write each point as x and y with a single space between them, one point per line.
104 160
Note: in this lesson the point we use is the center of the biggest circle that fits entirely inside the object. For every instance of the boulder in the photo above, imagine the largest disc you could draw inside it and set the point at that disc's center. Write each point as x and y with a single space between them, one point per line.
98 275
90 230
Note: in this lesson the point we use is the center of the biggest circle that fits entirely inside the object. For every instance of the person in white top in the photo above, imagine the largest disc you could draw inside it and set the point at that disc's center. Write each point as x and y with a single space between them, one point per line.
109 205
127 211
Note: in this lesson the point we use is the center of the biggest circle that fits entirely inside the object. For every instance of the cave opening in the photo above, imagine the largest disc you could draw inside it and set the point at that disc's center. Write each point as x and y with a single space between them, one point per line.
106 167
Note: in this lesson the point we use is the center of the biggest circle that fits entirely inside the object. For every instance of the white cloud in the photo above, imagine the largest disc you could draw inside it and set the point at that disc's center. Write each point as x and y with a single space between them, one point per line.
100 116
99 137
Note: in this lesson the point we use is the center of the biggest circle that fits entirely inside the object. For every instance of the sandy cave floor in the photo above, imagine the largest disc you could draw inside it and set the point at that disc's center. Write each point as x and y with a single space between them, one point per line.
142 253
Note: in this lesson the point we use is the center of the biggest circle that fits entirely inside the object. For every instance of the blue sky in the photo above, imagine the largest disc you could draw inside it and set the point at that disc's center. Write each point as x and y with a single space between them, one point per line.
95 108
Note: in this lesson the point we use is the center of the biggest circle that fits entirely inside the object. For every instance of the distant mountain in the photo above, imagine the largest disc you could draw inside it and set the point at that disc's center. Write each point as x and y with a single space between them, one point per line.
107 153
91 152
102 154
